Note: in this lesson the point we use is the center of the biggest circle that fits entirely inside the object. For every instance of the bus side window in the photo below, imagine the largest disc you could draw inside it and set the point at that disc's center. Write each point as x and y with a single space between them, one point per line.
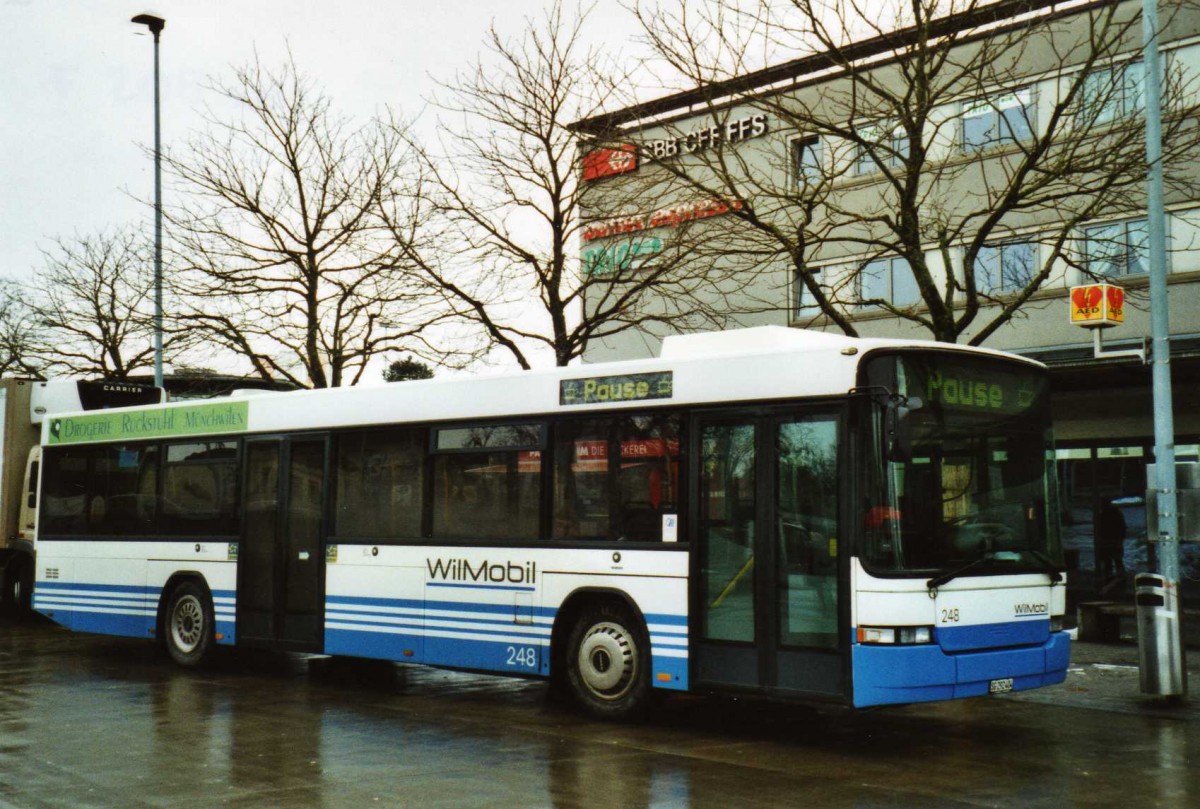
31 485
616 478
380 483
200 488
65 489
487 481
649 475
582 480
118 502
27 519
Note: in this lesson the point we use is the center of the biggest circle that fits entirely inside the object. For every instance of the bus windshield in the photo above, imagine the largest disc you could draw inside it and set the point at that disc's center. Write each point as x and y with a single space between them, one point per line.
959 467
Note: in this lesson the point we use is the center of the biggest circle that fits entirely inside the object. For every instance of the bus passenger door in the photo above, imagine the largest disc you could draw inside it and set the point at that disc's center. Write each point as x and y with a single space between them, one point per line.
281 563
766 559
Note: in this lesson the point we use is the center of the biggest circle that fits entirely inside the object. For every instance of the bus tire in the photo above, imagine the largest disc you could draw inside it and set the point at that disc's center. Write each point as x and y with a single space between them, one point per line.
188 624
608 662
17 595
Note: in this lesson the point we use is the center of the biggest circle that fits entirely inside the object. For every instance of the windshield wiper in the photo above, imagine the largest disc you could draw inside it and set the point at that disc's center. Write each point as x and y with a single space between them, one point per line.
1052 568
947 576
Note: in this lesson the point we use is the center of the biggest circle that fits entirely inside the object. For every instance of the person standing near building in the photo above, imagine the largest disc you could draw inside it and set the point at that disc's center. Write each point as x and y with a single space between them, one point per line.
1110 547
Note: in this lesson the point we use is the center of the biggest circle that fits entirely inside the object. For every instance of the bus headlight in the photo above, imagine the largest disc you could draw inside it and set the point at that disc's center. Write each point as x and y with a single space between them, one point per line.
1056 623
895 635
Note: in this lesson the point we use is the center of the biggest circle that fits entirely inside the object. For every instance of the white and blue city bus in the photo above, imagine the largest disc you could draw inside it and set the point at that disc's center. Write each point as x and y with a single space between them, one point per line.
770 511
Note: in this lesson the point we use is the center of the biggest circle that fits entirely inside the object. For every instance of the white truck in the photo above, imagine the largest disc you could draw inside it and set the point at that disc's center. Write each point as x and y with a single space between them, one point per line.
24 405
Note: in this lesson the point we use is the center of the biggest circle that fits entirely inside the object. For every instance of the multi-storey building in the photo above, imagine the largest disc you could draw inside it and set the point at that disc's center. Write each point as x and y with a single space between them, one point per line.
952 180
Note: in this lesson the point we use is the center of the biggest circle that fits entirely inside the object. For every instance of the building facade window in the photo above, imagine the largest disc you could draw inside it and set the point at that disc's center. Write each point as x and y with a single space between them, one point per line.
1005 267
807 165
888 279
1116 248
997 120
888 147
1112 93
803 305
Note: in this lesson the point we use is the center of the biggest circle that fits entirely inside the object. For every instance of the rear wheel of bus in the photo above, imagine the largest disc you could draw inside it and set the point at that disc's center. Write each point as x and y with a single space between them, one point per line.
608 662
188 624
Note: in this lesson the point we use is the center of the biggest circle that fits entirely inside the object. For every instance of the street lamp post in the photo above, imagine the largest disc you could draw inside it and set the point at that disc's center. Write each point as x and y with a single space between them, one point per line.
1173 681
156 24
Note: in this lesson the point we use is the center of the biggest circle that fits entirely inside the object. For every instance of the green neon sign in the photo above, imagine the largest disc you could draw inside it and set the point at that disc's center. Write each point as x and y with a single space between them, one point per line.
132 425
608 389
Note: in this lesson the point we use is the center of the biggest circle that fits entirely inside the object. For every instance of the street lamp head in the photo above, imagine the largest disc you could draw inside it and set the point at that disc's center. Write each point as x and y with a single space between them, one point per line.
155 24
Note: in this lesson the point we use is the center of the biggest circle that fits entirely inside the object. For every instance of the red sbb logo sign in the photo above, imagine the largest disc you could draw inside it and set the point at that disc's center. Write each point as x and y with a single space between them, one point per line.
601 163
1097 305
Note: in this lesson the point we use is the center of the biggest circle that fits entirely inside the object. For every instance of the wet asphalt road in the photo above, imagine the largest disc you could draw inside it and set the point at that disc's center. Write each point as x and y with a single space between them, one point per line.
92 721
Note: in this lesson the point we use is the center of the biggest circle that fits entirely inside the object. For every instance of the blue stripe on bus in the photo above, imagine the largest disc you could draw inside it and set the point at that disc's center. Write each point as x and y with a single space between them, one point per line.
509 587
423 634
107 623
433 623
366 601
473 628
658 633
50 586
885 675
993 636
76 587
670 673
509 657
106 609
383 645
355 627
332 603
226 632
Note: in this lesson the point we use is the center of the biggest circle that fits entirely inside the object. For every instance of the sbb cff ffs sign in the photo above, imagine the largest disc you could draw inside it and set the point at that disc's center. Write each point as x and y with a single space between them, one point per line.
1097 305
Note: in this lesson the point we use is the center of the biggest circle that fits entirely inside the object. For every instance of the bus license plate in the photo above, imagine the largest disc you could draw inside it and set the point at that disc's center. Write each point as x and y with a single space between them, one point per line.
1000 686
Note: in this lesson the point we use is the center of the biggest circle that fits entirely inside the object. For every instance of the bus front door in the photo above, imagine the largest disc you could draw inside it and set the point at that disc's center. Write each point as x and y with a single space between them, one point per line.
766 559
280 565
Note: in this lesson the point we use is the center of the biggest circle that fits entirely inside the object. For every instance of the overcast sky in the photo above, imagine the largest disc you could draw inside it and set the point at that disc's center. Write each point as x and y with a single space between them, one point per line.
76 104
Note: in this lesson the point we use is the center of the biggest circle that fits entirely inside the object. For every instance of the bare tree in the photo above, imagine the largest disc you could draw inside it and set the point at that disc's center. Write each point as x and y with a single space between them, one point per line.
92 307
508 188
288 260
916 137
19 332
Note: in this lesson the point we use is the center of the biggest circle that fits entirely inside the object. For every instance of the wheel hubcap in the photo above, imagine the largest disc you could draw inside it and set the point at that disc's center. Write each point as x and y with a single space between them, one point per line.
187 624
607 661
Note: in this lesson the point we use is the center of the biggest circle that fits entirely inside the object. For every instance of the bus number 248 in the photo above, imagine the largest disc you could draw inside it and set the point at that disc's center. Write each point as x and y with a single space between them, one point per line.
524 656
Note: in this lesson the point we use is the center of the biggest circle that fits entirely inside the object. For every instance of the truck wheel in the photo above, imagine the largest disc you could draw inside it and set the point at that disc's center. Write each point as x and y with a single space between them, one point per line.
7 594
608 663
188 624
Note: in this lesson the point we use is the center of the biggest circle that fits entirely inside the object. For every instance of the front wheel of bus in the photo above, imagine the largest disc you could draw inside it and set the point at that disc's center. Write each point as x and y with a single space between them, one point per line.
608 663
17 595
188 624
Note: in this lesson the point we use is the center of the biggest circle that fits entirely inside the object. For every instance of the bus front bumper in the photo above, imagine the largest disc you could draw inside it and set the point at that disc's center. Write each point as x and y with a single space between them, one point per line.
890 675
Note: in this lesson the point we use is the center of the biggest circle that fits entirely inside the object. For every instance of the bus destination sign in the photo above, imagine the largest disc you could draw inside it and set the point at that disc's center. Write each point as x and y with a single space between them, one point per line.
623 388
982 390
114 425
